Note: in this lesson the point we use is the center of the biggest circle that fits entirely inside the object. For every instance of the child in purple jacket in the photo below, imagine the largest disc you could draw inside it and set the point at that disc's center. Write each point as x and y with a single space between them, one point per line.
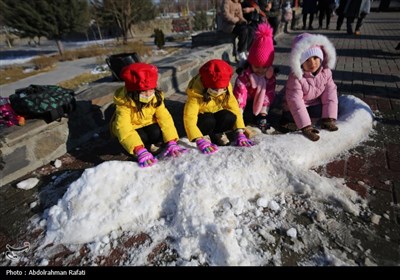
310 90
255 86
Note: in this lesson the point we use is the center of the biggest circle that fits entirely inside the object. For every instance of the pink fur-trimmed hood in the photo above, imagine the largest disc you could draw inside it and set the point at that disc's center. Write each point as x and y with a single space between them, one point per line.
305 41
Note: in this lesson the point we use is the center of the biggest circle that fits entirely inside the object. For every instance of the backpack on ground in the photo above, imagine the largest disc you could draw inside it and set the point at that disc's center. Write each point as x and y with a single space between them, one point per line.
48 102
7 115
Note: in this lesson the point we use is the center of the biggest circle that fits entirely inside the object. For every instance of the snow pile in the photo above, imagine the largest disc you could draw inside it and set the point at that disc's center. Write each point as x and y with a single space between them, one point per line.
208 204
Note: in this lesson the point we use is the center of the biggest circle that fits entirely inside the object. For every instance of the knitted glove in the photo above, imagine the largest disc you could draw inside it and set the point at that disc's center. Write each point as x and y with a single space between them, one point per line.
311 133
145 158
206 147
243 141
173 149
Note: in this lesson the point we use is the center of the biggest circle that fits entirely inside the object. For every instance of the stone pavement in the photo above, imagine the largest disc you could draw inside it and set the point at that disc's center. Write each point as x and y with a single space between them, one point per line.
368 67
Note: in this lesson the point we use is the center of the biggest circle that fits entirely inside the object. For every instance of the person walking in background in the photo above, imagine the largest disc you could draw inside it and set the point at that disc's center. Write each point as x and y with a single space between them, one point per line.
141 121
340 14
287 15
211 109
356 9
254 15
325 8
234 22
310 91
309 8
255 86
272 10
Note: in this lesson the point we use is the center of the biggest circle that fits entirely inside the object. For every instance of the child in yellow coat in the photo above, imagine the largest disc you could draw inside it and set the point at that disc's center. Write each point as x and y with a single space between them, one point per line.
211 108
141 118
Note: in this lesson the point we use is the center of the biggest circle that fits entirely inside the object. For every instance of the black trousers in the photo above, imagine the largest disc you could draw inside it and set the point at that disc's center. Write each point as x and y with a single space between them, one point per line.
359 23
150 134
324 10
242 32
213 123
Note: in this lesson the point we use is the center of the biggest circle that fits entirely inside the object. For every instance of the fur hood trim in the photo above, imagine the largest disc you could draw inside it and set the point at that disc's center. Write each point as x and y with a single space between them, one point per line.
305 41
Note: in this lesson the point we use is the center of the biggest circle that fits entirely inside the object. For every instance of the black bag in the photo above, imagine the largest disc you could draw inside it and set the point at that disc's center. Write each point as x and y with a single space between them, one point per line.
118 61
49 102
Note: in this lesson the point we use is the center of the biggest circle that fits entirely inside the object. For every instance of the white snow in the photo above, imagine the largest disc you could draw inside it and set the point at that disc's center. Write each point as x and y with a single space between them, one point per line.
240 206
205 203
28 183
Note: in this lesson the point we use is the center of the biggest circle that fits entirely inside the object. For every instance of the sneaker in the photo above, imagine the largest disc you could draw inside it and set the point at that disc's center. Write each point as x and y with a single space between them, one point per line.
155 148
221 139
263 124
242 56
357 33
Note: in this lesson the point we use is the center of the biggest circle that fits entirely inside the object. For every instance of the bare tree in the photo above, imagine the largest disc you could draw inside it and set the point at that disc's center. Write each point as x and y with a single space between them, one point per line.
45 18
126 13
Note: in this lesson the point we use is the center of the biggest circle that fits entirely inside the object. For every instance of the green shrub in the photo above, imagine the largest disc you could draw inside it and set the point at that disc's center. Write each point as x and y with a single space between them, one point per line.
159 38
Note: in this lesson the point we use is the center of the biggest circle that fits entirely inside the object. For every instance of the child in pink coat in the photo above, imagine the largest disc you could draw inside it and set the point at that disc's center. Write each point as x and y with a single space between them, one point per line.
255 86
310 90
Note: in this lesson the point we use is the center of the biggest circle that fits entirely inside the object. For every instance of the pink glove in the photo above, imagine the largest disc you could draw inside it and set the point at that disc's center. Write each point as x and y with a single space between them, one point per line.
145 158
242 141
173 149
206 147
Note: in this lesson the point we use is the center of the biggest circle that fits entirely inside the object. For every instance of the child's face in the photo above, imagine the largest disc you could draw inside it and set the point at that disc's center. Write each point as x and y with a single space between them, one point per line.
147 93
259 71
312 64
146 96
216 91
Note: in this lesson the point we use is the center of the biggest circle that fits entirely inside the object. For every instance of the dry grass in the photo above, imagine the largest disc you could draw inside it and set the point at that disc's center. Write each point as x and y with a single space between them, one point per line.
16 73
82 80
47 63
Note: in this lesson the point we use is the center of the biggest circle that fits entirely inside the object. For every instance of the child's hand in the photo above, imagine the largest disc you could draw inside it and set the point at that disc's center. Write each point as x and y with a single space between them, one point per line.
173 149
311 133
145 158
243 141
206 147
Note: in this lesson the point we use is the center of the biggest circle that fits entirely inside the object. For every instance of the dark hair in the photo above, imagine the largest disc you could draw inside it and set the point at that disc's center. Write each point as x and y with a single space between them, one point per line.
134 95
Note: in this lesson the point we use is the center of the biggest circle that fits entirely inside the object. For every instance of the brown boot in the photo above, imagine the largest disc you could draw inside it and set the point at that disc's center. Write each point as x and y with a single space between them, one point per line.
329 124
311 133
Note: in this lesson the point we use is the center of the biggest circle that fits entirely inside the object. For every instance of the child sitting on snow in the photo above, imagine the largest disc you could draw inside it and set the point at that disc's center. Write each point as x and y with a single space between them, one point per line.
211 109
255 86
141 120
310 90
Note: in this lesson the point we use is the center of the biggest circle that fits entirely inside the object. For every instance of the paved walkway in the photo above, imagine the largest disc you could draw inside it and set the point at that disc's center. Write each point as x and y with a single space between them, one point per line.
368 67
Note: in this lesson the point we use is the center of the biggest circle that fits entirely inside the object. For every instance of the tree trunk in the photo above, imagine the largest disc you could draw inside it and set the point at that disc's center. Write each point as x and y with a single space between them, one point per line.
99 30
60 46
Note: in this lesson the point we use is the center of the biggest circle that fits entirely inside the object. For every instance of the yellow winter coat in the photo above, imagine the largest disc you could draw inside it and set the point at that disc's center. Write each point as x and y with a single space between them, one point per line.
195 106
127 119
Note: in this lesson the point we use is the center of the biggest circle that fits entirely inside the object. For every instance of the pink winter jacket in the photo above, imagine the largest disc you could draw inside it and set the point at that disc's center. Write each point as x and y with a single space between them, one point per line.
311 90
244 92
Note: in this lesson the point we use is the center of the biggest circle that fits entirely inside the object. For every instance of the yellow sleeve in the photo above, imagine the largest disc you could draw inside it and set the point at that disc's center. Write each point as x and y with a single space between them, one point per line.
166 123
124 130
190 116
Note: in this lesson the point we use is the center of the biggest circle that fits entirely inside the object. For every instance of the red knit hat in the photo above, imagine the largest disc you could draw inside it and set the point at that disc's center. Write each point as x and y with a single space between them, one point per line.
261 53
216 73
139 76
